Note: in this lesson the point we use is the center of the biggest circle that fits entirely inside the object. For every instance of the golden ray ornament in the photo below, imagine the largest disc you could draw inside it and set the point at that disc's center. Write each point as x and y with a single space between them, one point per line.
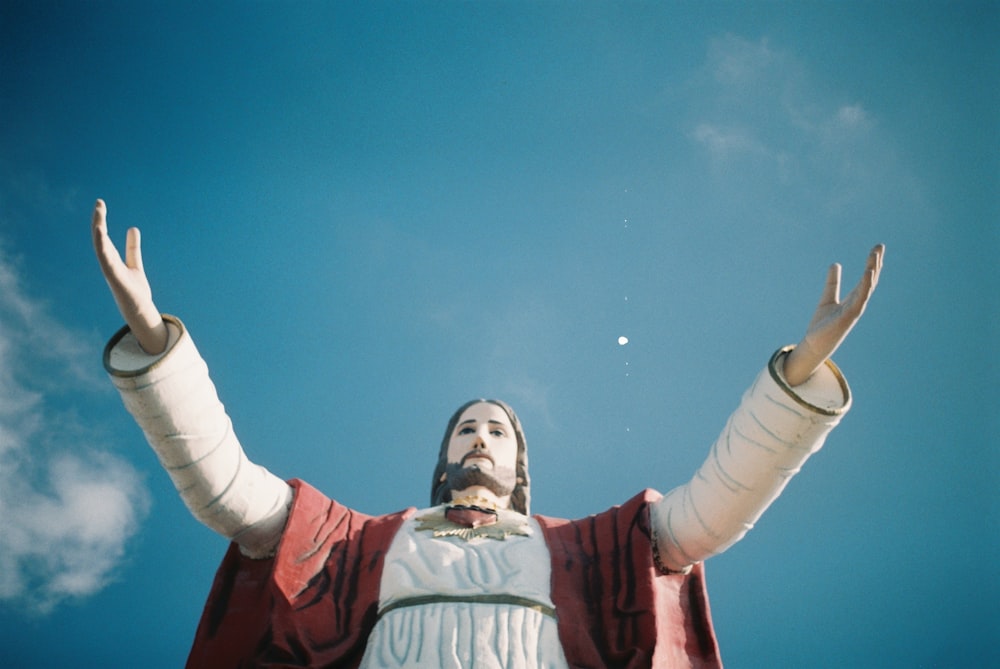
507 524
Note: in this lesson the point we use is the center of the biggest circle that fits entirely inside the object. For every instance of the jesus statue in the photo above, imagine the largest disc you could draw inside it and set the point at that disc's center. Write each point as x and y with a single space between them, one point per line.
473 579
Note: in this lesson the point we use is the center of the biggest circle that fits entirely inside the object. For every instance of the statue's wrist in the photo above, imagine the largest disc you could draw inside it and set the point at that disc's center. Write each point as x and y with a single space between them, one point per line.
825 391
801 362
146 324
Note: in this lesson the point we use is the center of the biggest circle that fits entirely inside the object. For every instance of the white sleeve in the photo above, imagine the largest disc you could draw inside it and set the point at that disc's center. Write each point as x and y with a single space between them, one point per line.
174 401
764 443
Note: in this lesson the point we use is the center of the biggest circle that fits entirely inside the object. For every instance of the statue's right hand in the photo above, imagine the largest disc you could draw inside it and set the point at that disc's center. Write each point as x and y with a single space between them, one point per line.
128 283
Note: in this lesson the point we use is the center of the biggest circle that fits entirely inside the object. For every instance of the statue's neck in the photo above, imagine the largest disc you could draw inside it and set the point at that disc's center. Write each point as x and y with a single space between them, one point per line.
483 493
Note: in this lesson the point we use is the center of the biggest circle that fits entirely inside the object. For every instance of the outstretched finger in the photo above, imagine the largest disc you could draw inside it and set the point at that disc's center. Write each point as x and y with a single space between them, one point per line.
98 222
861 294
100 210
831 289
133 249
858 299
866 286
107 254
875 262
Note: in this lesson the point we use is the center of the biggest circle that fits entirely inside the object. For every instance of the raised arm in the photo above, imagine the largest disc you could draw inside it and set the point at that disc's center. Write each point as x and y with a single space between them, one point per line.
783 418
128 283
165 385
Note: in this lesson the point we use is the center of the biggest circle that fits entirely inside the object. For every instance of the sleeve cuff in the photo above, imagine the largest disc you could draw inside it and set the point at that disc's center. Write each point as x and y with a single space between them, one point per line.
123 357
826 392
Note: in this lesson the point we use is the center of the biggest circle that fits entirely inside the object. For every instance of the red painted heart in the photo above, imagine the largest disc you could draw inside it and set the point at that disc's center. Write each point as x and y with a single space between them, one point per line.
470 516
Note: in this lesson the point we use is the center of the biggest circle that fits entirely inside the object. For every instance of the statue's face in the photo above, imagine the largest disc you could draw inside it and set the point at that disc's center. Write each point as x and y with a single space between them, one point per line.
484 438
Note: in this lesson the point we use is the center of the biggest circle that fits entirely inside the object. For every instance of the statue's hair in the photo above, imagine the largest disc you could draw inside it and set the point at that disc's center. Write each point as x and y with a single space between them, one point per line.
520 498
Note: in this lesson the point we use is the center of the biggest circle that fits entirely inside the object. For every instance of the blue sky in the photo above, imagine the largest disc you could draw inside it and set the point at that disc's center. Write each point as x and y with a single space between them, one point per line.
368 213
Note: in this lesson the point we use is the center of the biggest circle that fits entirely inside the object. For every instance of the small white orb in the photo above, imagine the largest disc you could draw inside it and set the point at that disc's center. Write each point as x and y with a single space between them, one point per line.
622 341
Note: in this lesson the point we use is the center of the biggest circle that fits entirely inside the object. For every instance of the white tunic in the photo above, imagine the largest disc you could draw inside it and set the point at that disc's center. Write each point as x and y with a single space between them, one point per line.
456 632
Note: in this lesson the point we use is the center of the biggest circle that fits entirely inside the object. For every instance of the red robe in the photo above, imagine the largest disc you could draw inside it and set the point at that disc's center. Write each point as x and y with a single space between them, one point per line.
315 603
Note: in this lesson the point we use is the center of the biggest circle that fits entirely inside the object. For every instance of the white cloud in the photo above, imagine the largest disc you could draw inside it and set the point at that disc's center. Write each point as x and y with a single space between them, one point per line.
776 137
851 116
67 506
739 63
28 326
751 99
724 142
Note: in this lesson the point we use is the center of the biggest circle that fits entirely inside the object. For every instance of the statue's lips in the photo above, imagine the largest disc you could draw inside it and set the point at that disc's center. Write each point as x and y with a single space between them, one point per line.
474 455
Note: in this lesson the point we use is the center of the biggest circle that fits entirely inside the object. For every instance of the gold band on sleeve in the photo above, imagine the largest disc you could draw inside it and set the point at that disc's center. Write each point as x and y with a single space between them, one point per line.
174 330
772 367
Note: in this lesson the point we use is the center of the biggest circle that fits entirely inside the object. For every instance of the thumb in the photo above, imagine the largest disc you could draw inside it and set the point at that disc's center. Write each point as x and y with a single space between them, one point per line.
831 289
133 249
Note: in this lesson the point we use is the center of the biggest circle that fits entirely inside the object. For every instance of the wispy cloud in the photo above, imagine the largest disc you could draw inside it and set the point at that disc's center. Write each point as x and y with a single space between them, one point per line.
723 142
776 134
756 101
851 116
67 505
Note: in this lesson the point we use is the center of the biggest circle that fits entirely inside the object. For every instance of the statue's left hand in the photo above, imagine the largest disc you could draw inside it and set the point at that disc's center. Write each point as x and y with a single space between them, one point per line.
127 281
833 319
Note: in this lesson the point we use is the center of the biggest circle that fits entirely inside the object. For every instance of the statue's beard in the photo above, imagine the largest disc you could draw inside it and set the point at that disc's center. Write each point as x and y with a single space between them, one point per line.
501 481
